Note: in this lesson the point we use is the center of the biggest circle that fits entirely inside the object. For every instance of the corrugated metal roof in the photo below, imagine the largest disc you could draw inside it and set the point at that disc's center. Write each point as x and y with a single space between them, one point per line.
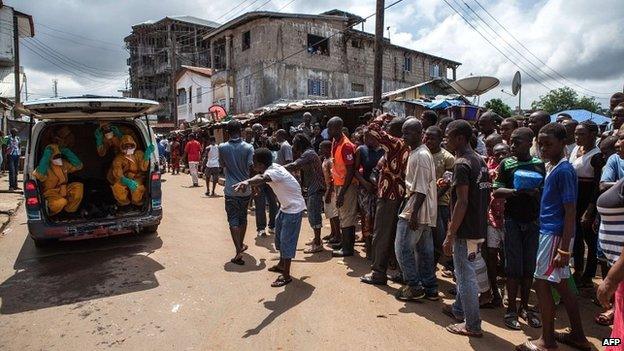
183 18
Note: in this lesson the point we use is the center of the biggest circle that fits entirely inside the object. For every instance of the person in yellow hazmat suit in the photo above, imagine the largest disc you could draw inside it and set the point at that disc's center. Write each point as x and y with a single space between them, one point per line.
108 137
54 166
127 174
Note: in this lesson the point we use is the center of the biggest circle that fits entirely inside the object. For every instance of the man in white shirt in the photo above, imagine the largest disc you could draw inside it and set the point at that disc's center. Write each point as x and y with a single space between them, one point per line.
288 220
414 242
211 166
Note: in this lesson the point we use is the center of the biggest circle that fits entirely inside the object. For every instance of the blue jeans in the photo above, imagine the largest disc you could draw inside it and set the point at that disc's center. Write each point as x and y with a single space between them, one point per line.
444 215
414 252
13 161
265 194
287 228
467 300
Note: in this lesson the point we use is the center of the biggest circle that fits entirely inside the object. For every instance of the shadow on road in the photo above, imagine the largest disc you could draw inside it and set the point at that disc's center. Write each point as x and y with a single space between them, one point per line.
71 272
266 242
293 294
250 265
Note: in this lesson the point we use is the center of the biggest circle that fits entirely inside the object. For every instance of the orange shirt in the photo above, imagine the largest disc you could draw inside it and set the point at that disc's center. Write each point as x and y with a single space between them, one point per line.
343 154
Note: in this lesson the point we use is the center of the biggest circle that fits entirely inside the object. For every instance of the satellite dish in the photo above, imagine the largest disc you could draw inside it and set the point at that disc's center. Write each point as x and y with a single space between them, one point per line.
475 86
516 84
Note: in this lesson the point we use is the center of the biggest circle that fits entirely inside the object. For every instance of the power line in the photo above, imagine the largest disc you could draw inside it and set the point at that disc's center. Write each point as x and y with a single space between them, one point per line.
494 46
532 54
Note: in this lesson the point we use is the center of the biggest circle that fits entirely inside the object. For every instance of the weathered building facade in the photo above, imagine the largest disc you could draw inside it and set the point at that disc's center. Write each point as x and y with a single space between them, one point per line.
266 56
157 50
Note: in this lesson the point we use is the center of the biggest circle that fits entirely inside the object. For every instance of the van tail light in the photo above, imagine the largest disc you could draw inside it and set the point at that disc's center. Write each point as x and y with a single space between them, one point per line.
155 176
31 185
32 201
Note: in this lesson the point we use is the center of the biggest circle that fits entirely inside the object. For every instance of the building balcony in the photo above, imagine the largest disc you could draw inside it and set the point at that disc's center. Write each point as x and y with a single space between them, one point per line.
183 112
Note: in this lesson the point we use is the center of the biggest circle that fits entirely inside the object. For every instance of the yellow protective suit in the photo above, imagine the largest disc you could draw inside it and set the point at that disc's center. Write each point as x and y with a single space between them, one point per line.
113 143
133 167
58 194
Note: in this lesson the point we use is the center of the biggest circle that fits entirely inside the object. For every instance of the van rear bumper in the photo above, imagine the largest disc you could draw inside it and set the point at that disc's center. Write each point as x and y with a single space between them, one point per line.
94 229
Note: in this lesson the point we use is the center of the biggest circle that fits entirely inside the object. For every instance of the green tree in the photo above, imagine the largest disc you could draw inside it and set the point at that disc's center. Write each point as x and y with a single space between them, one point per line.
498 106
565 99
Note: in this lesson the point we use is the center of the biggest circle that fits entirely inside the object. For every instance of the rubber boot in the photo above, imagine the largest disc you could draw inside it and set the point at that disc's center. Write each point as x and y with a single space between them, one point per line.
348 242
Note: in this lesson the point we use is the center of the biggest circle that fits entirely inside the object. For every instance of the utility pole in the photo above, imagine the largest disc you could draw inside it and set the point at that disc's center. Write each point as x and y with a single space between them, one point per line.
25 87
377 75
55 87
16 65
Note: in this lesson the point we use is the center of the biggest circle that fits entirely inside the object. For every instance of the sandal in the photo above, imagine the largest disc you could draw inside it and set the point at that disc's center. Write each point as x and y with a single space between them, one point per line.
238 260
460 329
531 318
448 310
276 269
281 281
244 248
313 249
564 337
511 321
605 318
530 346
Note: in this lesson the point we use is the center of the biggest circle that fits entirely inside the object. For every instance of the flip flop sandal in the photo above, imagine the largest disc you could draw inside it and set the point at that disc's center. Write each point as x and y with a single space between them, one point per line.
604 319
461 330
564 338
448 310
244 248
531 318
511 321
239 261
281 281
530 346
276 269
313 249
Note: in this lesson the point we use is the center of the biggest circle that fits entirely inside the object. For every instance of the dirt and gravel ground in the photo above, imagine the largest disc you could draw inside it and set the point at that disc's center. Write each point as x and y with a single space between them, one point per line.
173 290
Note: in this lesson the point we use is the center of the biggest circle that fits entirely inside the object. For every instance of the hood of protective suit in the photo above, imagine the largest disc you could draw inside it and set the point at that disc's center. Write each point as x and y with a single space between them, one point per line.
56 150
64 137
127 139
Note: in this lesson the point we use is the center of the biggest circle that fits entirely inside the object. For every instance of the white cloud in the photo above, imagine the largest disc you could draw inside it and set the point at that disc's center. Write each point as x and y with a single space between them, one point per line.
579 39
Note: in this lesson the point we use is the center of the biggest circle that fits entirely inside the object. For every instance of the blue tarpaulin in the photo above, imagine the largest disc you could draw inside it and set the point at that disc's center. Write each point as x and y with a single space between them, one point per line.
583 115
443 104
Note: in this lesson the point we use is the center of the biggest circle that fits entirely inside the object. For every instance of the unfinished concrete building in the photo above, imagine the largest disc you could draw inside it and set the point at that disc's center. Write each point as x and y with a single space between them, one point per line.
157 50
262 57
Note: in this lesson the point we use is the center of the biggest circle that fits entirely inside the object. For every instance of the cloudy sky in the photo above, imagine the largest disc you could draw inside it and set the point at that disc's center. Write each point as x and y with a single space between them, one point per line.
553 42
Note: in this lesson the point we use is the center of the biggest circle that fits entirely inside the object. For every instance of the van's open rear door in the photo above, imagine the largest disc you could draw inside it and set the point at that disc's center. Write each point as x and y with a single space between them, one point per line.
90 107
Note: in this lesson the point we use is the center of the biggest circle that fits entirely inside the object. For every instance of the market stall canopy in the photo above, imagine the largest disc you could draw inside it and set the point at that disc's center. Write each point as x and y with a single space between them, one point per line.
444 104
583 115
475 85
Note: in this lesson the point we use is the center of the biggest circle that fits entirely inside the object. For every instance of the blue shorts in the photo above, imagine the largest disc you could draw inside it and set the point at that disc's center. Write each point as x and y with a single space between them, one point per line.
521 241
287 228
314 202
546 253
236 210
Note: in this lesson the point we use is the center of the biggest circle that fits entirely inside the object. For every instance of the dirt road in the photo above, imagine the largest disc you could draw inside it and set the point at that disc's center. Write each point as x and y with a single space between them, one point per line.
174 291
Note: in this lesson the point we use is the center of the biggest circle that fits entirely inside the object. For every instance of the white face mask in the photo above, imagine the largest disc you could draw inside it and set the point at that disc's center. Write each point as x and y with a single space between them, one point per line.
57 161
130 151
109 135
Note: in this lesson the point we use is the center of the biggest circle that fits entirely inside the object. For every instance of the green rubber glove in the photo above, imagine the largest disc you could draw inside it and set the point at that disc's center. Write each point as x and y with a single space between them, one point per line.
44 161
116 131
99 137
148 152
131 184
71 157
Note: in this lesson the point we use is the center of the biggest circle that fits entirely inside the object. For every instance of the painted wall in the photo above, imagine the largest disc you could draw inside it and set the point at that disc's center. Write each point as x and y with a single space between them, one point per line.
193 82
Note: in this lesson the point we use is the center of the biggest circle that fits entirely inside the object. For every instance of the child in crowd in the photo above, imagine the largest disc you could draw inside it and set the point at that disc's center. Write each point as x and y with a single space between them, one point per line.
496 218
556 240
288 220
521 228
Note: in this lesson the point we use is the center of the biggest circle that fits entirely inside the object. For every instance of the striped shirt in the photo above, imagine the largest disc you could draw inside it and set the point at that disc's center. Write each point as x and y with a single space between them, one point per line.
610 205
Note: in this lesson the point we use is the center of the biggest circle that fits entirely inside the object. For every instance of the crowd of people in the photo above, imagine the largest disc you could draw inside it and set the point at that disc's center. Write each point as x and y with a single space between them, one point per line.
522 202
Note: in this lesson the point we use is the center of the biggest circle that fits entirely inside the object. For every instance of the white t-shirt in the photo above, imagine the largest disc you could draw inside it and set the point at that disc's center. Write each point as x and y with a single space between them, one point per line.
286 188
420 177
213 156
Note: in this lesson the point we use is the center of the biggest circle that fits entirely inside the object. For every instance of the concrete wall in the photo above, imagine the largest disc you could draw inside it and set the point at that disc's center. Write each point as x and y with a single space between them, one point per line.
191 82
345 68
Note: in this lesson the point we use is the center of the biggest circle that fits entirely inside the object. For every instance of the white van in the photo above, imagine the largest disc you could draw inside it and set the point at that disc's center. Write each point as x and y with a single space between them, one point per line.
98 214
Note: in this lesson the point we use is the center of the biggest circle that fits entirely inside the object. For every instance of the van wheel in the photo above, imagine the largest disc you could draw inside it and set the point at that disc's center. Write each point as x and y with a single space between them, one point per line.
150 229
43 243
